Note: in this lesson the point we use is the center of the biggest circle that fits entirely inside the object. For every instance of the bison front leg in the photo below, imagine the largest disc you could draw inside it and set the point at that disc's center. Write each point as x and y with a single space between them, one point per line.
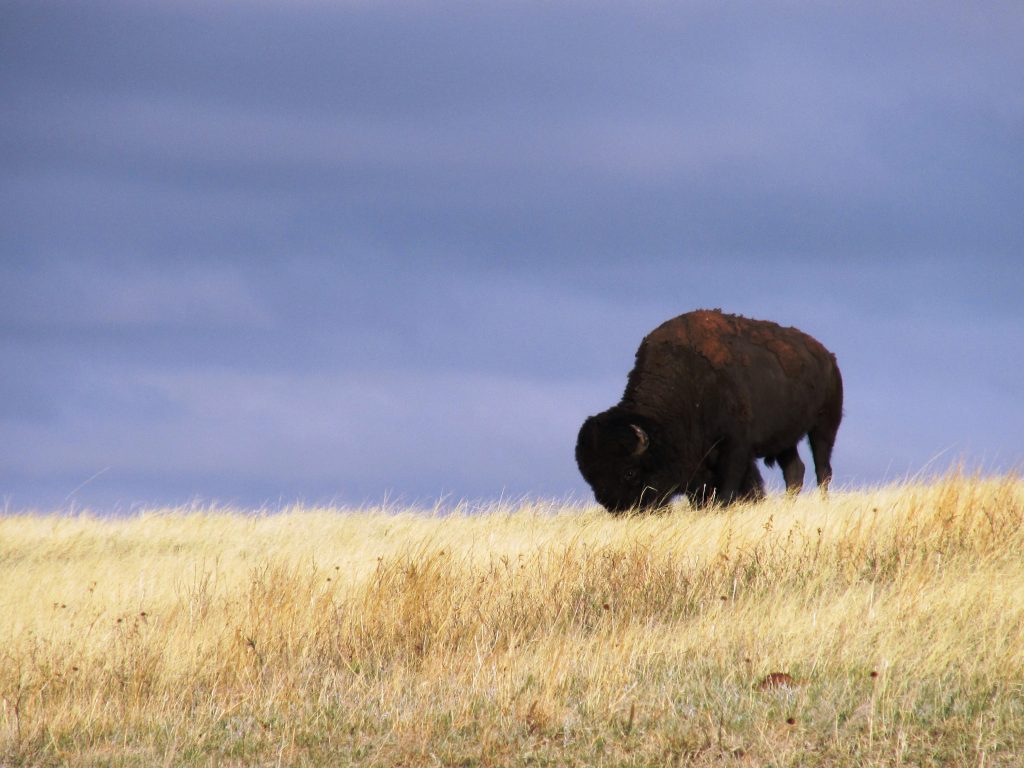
708 492
752 487
734 474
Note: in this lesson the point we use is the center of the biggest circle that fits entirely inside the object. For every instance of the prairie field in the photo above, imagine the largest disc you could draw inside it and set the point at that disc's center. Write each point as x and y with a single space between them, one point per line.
878 627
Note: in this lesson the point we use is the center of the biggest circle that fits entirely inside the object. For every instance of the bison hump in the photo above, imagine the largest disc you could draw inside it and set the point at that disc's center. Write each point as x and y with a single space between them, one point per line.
723 339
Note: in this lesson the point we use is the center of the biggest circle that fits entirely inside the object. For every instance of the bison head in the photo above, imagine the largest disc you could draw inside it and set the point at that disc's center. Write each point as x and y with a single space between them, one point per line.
619 455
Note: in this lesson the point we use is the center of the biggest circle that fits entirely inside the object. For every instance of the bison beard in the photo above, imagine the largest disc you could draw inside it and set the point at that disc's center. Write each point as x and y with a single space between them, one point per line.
710 393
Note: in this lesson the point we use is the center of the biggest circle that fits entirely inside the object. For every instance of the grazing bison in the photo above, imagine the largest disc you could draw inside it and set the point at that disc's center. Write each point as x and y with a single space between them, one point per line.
709 394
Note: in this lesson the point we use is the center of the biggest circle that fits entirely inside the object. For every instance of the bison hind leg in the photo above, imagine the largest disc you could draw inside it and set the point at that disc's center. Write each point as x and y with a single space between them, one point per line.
792 469
821 449
822 436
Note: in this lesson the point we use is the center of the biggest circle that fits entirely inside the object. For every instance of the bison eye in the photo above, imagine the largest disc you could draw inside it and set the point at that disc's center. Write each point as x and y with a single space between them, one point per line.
631 474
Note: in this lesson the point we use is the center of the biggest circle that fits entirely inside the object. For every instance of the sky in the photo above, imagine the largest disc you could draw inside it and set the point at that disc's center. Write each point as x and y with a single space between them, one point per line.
358 252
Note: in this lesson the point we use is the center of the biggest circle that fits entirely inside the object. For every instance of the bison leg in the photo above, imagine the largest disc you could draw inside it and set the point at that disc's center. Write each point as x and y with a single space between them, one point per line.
703 496
821 449
822 436
734 473
792 469
752 487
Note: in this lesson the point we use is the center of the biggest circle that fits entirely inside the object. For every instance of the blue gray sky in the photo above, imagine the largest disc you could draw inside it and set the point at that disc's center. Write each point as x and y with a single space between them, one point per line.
266 252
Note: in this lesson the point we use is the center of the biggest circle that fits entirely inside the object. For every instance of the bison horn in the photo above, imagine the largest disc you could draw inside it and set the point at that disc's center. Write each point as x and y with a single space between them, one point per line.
642 440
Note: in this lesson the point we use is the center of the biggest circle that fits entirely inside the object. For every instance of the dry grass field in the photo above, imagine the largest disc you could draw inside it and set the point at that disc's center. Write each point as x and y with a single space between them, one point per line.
872 628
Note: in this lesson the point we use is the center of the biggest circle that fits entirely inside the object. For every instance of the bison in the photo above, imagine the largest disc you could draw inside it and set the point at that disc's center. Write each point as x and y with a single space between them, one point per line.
710 393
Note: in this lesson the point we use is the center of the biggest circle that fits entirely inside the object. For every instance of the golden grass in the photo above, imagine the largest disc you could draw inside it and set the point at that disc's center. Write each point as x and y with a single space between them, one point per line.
533 634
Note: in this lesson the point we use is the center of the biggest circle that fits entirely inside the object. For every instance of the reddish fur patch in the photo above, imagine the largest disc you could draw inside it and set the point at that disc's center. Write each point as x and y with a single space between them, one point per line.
703 331
716 336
